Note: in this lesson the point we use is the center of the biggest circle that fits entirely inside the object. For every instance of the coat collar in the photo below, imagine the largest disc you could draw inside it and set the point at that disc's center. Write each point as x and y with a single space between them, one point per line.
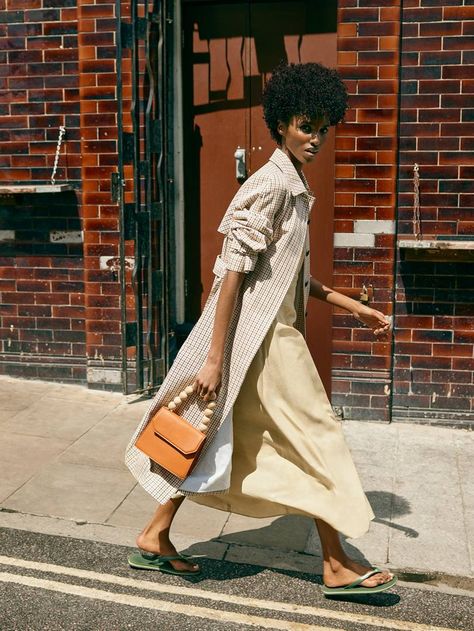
283 162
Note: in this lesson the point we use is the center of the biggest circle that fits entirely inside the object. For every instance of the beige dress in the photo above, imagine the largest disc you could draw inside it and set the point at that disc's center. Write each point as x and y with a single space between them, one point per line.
289 452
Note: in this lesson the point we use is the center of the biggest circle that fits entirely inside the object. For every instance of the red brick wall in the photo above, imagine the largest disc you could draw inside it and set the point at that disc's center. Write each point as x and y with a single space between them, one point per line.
41 277
366 158
49 323
434 365
38 89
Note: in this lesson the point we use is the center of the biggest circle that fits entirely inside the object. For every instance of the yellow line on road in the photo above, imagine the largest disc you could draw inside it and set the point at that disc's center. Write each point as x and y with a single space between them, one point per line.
112 579
160 605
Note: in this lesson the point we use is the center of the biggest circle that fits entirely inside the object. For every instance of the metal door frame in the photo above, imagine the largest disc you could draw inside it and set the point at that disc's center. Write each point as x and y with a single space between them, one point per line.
146 217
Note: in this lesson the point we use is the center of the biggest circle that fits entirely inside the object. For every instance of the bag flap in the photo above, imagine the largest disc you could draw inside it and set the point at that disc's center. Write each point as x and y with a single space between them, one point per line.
177 431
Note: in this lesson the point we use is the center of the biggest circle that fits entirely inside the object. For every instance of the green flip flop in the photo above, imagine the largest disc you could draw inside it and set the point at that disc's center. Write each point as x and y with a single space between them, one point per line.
149 561
355 587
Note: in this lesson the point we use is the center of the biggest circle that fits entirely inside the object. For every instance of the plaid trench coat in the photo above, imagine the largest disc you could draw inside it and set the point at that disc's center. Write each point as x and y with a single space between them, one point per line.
266 229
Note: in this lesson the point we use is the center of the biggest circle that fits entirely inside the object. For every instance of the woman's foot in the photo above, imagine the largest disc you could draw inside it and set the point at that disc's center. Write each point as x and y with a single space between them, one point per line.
341 574
164 547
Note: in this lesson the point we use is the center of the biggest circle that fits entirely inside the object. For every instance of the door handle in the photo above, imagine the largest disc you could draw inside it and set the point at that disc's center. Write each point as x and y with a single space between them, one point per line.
240 166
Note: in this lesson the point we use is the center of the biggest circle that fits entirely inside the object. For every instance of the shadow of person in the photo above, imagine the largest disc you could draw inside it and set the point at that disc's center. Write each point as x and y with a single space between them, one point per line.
386 506
296 534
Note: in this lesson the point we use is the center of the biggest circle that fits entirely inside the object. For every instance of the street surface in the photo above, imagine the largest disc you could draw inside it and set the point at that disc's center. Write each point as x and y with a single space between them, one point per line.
52 583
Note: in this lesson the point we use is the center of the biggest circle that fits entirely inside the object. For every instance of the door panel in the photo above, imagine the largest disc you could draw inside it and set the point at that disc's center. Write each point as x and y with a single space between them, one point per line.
217 122
243 43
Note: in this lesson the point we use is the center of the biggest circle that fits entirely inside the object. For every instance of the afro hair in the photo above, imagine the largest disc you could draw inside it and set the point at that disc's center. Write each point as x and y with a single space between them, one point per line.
310 90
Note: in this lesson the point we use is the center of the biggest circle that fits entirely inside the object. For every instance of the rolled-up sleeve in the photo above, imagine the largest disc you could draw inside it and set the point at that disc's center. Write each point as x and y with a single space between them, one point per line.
250 229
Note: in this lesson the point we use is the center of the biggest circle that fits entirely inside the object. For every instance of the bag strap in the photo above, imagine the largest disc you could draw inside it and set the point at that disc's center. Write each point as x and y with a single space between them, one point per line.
208 412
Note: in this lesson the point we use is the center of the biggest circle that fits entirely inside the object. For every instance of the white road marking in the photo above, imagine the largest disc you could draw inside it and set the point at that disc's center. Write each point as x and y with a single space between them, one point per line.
112 579
160 605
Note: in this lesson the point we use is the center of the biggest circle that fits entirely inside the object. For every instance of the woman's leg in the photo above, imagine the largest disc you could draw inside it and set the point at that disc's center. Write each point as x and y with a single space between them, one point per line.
155 537
338 568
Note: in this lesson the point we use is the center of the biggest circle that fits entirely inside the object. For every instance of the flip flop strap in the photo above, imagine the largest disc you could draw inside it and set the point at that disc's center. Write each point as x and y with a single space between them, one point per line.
362 578
159 560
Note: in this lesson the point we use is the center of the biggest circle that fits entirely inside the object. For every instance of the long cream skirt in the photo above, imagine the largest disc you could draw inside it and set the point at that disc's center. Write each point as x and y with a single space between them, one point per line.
289 452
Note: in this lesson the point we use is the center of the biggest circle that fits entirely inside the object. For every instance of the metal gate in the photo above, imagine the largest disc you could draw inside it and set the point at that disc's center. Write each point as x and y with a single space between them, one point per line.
140 187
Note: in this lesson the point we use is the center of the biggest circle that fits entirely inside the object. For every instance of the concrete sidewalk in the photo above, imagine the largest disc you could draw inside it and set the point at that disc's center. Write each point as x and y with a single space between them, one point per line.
62 472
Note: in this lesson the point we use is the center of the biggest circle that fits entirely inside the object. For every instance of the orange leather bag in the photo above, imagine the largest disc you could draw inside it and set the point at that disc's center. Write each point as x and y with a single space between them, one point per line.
172 442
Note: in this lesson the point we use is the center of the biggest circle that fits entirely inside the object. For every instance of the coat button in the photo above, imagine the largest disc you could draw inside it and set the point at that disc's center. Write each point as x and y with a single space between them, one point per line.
307 252
305 314
306 283
308 222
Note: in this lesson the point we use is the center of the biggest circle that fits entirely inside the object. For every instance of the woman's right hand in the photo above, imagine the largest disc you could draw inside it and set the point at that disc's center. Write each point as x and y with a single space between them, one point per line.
208 380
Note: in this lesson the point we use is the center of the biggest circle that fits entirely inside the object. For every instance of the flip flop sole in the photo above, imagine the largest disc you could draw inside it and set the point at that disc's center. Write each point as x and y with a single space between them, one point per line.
340 591
138 562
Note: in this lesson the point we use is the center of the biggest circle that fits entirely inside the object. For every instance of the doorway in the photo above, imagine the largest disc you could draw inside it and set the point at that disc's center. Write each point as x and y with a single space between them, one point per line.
229 50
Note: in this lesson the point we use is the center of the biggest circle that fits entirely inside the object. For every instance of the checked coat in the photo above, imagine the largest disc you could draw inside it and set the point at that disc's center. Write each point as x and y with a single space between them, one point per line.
266 229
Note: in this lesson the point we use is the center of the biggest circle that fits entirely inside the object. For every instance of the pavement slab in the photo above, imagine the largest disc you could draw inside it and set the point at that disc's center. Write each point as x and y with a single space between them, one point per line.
72 491
428 486
23 457
52 418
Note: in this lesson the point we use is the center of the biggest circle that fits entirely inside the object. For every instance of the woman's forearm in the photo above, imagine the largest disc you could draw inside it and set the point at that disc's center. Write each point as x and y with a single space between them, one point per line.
224 310
326 294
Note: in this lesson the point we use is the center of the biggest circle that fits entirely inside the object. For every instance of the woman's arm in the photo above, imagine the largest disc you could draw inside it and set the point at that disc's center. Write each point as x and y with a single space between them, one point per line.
209 377
372 318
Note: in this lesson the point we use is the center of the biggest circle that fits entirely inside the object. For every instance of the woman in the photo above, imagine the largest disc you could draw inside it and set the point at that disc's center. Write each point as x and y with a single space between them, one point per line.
274 446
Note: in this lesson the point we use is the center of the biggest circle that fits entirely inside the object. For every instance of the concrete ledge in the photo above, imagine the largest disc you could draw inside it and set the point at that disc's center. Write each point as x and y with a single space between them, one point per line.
14 189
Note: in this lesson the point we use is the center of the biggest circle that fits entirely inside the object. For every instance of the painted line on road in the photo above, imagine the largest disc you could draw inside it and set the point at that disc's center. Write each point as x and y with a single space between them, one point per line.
122 581
160 605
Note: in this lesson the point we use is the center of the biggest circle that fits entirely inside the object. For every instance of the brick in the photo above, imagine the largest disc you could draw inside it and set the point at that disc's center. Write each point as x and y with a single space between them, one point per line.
358 43
451 350
422 44
377 28
359 15
443 86
458 72
432 336
440 28
377 87
377 58
458 13
429 362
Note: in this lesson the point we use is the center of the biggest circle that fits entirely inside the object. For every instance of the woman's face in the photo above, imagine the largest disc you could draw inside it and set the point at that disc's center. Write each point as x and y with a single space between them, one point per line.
303 138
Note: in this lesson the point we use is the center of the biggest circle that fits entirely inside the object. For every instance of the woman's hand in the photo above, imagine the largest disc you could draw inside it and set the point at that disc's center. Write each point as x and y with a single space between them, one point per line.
208 380
372 318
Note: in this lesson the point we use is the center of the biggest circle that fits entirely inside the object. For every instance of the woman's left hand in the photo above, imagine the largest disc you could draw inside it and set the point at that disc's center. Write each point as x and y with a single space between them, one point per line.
372 318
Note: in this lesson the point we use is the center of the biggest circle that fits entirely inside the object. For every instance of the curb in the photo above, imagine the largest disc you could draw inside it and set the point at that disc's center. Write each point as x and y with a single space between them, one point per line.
219 550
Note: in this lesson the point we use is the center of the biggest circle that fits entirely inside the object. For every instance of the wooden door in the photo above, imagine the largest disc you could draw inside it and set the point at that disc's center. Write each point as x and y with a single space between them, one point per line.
231 49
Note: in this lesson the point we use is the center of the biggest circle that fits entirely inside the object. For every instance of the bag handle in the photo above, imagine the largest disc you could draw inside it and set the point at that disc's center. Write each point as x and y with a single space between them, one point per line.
208 412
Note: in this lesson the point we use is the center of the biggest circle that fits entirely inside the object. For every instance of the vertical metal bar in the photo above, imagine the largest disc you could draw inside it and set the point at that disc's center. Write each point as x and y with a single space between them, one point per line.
120 196
161 186
149 85
137 185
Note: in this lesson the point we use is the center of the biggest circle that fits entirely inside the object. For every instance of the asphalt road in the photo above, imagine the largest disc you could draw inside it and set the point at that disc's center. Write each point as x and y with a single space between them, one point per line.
50 583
